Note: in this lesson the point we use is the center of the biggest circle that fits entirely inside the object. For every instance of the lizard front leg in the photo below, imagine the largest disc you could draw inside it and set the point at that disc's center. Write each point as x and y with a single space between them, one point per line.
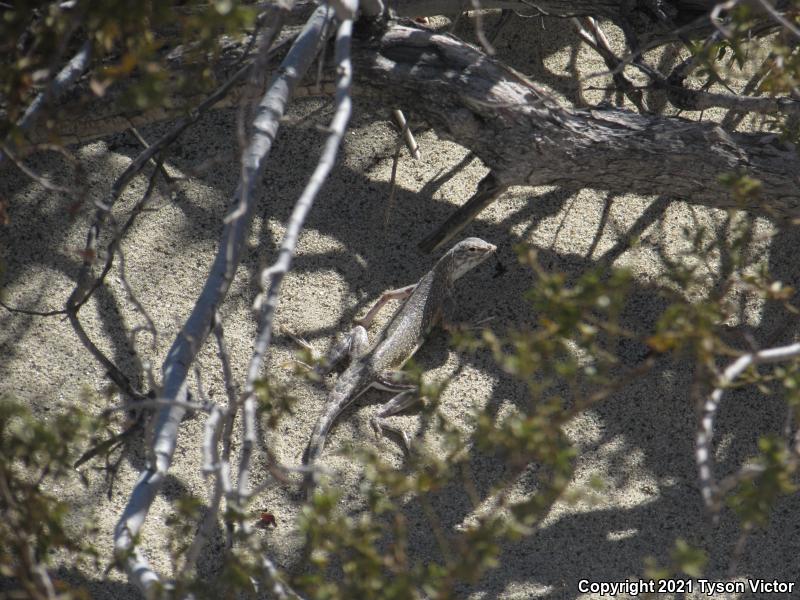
398 294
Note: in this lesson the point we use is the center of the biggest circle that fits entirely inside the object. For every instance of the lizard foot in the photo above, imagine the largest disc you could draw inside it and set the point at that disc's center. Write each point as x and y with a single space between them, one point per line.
380 426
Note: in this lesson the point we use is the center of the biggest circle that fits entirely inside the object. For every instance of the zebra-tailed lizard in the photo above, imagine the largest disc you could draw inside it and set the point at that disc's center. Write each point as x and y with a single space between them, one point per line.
427 304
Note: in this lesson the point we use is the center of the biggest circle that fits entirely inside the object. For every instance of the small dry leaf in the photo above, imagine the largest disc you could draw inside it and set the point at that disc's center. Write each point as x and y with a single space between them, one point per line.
99 87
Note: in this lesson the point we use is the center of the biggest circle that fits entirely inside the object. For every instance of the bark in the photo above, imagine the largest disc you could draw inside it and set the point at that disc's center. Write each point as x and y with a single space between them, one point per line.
647 23
190 339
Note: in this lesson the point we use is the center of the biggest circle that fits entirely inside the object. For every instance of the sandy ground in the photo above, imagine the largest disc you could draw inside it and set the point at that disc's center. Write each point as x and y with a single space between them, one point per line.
354 247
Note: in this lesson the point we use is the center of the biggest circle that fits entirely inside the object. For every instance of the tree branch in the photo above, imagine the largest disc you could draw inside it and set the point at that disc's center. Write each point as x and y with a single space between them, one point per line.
191 337
526 138
703 455
61 83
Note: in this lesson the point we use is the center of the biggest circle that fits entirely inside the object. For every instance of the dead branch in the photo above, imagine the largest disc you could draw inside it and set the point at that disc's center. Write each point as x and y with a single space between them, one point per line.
60 84
272 277
82 116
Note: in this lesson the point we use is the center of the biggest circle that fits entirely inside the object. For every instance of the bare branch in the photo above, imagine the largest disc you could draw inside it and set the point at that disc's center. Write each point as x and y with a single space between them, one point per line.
222 485
597 40
5 151
703 453
779 18
527 138
271 278
191 337
279 590
489 189
480 33
61 83
688 99
405 131
266 303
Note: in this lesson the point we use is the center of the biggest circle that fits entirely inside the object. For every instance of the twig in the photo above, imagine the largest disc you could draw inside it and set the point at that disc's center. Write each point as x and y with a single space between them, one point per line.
222 485
392 184
37 313
73 307
140 138
489 189
211 464
479 31
41 180
84 282
405 131
156 403
149 325
597 40
688 99
716 19
279 589
780 18
107 445
733 118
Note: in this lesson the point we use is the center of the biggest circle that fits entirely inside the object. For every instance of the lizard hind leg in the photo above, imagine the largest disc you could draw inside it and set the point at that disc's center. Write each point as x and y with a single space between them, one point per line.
407 397
351 346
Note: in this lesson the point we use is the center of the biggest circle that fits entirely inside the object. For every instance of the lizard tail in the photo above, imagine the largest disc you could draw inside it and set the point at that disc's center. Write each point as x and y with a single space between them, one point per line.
348 387
314 449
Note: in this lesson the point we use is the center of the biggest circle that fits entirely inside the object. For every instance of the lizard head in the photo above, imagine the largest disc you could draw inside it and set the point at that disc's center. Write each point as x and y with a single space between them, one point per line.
466 255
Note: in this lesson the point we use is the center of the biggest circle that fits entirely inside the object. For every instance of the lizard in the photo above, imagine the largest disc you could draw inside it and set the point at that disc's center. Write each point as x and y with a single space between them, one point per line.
426 305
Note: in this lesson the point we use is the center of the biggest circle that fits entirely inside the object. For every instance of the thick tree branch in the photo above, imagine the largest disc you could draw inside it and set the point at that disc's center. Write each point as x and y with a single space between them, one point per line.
527 138
60 84
83 117
271 278
489 190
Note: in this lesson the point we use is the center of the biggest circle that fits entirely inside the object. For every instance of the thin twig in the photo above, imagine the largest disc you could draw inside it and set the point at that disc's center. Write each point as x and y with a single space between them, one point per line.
392 184
479 30
780 18
405 132
596 39
107 445
41 180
